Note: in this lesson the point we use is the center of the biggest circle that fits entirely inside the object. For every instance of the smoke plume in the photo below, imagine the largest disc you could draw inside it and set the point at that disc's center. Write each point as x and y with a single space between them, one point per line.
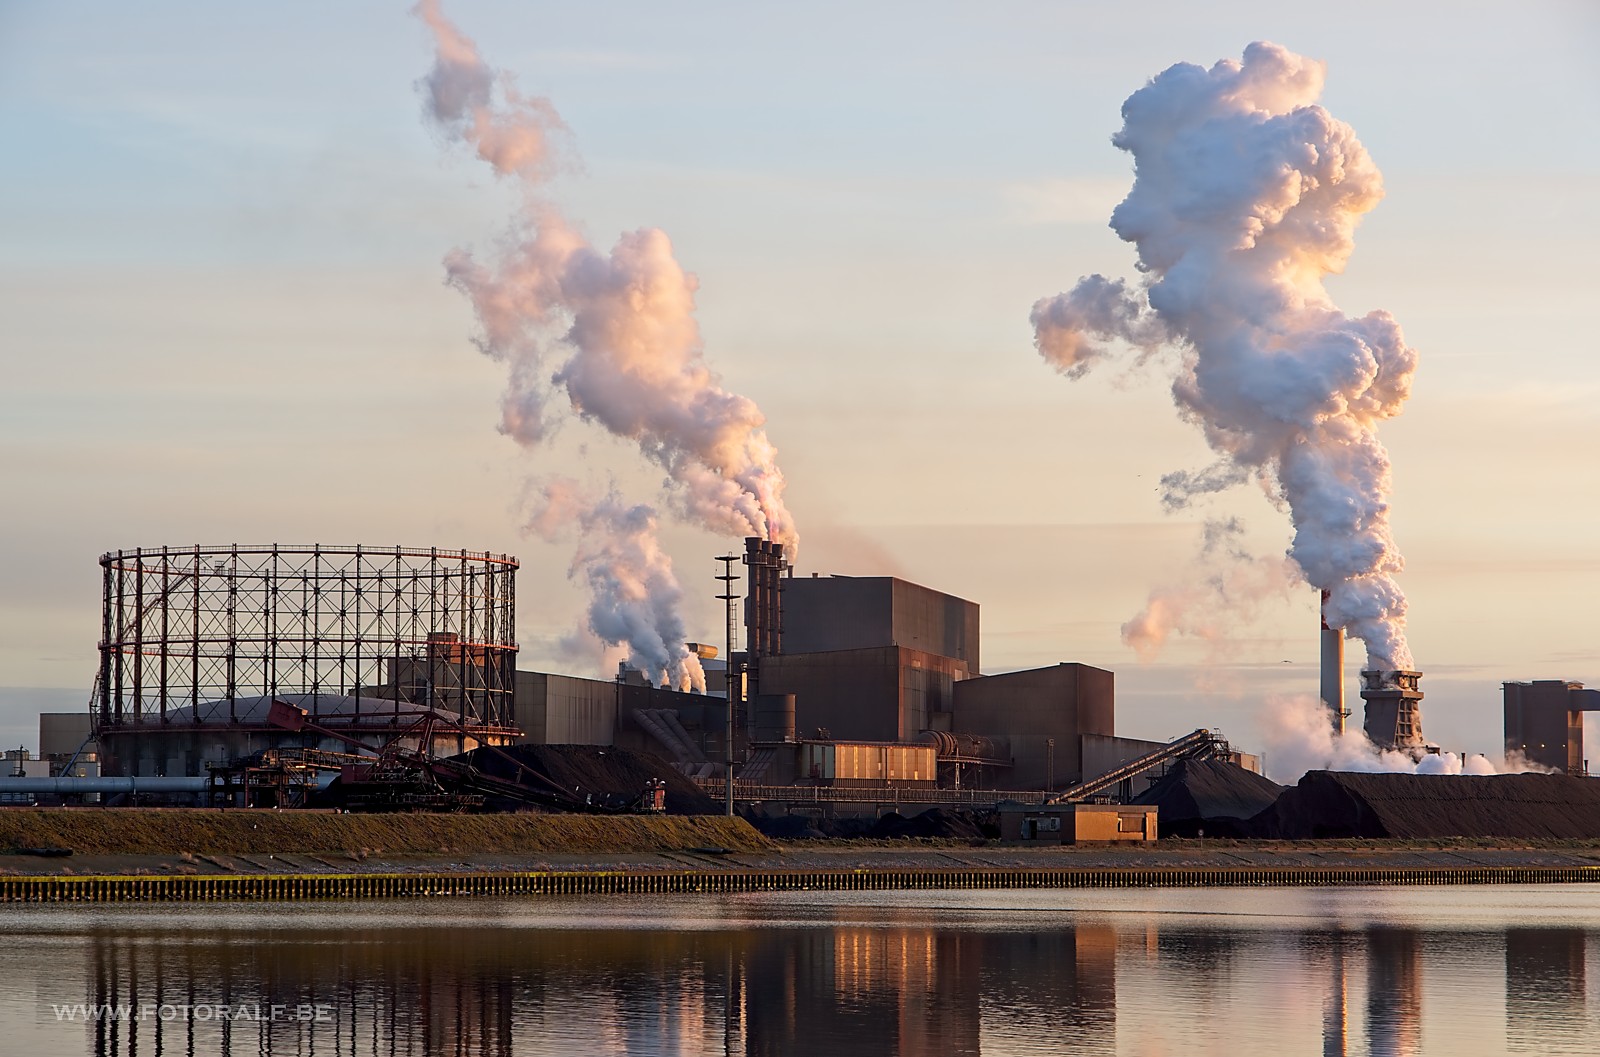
1235 586
1299 739
614 332
634 598
1245 197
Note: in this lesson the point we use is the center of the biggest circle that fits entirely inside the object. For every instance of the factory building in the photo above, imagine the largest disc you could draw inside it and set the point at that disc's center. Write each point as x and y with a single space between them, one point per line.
1043 714
873 693
877 658
1544 722
860 680
844 680
827 614
688 729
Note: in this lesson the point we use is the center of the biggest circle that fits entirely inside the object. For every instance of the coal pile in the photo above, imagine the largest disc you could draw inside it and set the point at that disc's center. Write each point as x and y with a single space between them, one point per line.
1340 804
594 777
933 823
788 827
1212 798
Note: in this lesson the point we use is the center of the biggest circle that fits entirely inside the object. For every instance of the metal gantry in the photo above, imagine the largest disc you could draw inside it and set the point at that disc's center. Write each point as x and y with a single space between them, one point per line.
200 628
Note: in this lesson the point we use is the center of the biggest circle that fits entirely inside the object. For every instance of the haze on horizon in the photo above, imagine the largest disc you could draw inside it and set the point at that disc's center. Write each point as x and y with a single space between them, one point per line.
225 319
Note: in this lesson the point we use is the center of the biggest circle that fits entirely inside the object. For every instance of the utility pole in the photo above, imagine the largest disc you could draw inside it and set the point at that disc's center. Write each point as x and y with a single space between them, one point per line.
729 679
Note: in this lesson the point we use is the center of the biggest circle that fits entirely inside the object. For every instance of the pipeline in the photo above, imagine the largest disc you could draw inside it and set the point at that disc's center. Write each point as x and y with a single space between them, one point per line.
295 887
104 784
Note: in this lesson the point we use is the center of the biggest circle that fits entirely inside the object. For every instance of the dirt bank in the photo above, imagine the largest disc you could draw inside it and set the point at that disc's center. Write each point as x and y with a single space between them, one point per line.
174 832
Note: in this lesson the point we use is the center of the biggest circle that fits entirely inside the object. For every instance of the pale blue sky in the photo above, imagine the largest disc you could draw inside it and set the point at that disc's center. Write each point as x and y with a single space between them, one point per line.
223 318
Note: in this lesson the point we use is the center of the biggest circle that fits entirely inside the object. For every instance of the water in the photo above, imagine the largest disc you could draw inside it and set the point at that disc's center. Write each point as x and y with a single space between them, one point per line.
1459 971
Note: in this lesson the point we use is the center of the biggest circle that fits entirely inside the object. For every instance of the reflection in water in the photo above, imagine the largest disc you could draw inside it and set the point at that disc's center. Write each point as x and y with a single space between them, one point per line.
1336 1004
1546 986
1394 993
886 980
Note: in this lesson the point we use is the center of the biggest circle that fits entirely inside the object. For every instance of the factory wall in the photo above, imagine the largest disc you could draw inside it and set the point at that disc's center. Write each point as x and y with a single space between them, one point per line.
60 733
564 710
567 710
843 763
1102 753
889 693
703 719
825 614
1544 722
1041 713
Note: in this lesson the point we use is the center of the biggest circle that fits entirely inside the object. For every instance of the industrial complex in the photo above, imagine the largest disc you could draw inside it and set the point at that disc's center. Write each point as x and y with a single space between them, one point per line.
268 675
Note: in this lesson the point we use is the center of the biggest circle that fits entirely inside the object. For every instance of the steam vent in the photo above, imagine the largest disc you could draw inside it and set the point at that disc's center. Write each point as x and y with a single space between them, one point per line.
1393 719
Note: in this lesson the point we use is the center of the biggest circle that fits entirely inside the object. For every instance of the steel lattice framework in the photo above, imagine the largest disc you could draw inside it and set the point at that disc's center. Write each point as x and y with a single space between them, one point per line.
201 628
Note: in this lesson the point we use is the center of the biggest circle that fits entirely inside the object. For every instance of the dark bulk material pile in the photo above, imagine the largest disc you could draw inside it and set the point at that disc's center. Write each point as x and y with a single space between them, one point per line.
1412 806
600 777
1212 798
936 822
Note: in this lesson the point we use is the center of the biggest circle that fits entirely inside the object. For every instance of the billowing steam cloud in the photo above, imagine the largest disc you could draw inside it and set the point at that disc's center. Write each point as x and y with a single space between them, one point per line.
1237 583
1245 197
1299 738
634 598
615 332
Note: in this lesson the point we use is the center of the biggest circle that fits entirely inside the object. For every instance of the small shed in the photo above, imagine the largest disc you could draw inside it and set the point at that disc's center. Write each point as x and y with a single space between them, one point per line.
1078 823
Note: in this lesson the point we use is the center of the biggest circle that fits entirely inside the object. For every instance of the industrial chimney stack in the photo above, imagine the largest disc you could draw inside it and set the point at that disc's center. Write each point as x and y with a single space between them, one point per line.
763 614
1333 669
1394 720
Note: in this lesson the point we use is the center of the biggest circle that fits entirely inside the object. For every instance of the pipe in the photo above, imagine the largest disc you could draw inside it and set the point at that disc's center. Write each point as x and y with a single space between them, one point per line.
1332 669
104 784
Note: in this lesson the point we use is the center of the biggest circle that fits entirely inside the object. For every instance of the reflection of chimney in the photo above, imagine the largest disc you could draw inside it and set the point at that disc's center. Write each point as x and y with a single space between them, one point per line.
1332 669
1336 1007
1394 720
1394 992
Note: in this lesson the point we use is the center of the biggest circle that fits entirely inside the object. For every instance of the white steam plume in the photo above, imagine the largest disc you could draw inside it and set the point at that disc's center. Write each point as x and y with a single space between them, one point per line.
615 332
1299 739
1245 197
634 598
1236 584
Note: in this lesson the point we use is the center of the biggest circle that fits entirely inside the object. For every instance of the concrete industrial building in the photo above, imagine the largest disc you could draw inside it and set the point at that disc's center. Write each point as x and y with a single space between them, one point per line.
860 679
845 679
825 614
1043 714
1544 722
873 693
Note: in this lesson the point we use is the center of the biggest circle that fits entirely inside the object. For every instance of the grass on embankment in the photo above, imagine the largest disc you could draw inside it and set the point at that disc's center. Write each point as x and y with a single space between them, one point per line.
136 831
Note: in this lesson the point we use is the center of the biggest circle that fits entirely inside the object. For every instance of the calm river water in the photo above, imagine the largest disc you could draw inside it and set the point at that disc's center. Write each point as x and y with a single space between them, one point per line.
1458 971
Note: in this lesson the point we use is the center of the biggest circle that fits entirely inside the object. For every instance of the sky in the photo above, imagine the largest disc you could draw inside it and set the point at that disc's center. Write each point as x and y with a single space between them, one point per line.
223 315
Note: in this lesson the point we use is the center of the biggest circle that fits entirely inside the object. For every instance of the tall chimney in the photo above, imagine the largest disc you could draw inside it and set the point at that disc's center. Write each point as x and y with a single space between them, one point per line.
1333 669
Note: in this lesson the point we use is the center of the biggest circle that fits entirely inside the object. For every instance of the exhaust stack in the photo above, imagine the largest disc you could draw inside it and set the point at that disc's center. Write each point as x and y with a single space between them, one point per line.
1394 718
1333 669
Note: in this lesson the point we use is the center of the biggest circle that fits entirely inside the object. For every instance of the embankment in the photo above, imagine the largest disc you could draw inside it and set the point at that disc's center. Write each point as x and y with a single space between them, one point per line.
173 832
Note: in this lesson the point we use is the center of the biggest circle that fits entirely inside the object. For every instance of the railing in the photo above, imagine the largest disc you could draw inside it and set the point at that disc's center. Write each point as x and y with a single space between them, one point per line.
365 550
890 794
